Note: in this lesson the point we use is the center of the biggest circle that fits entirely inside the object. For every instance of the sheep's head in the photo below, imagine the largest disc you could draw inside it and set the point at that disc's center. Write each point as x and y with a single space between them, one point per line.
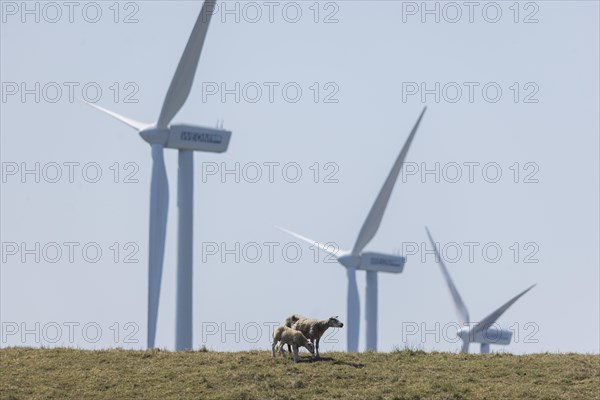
310 347
291 320
334 322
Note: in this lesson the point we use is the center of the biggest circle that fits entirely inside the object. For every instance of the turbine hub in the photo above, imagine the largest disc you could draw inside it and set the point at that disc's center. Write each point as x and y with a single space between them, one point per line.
350 261
153 135
463 333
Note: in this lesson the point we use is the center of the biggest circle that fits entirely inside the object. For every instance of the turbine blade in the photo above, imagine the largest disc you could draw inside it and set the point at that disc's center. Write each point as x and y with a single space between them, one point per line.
353 309
330 249
129 121
186 69
373 220
490 319
461 309
159 204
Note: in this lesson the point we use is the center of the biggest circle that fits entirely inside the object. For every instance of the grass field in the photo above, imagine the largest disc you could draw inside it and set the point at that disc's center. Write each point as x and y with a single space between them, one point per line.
122 374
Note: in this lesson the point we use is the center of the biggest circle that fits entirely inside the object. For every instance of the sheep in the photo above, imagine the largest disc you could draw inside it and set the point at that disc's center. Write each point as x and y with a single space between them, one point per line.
292 337
313 329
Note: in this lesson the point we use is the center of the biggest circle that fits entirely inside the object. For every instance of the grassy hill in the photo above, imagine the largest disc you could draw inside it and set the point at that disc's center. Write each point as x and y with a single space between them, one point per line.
122 374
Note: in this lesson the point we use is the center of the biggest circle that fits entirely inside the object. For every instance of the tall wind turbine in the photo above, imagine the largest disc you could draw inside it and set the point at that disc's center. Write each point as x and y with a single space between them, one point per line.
483 332
187 139
371 262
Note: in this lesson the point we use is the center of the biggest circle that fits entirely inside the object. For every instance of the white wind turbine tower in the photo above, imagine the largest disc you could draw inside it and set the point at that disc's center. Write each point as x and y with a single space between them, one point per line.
187 139
371 262
483 332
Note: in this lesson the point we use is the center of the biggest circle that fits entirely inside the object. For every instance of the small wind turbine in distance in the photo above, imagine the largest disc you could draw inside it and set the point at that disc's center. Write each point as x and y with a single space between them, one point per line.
483 332
187 139
371 262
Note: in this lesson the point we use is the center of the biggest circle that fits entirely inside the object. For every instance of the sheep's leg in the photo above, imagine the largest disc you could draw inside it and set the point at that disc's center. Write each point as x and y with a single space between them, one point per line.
280 349
295 348
289 348
317 348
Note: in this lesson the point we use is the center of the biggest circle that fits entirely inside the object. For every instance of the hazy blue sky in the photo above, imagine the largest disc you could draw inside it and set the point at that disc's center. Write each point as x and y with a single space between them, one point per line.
541 133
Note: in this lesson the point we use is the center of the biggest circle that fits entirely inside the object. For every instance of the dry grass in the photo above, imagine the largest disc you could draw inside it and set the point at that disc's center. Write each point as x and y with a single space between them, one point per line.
123 374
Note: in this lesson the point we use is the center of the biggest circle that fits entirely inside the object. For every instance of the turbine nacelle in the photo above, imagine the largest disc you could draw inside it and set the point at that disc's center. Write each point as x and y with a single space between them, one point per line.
489 335
188 137
379 262
370 261
198 138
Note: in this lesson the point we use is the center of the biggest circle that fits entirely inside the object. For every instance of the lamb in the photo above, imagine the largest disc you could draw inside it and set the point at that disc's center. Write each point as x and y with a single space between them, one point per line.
291 320
292 337
313 329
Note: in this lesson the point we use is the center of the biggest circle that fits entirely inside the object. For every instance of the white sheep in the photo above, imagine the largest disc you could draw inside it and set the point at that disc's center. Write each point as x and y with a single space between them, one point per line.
313 329
289 336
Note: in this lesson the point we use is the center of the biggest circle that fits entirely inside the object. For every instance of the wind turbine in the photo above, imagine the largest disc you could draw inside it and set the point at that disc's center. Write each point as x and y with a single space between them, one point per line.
370 262
185 138
483 332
